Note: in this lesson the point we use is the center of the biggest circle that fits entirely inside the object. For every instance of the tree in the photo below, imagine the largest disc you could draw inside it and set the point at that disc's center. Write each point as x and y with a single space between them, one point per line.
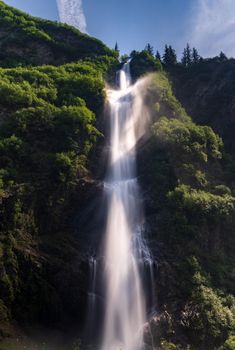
116 47
187 56
134 53
169 57
124 58
149 49
222 56
142 62
195 56
158 56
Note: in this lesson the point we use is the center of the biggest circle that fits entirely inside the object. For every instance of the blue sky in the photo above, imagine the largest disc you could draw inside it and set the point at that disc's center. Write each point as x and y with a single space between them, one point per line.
207 24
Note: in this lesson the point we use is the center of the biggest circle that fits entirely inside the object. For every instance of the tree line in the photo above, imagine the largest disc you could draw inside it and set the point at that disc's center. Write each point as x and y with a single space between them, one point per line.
169 57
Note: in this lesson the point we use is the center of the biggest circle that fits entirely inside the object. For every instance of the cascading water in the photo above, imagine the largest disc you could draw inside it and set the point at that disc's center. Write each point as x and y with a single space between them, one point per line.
125 251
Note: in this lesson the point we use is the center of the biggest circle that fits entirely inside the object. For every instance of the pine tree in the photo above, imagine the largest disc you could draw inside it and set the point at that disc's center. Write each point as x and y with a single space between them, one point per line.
116 47
133 54
166 55
184 59
172 54
222 56
158 56
149 49
195 56
187 56
169 57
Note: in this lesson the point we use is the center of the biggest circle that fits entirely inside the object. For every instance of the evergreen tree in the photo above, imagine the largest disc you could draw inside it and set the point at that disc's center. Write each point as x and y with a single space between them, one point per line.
183 59
173 57
169 57
149 49
195 56
158 56
116 47
222 56
133 53
187 56
166 55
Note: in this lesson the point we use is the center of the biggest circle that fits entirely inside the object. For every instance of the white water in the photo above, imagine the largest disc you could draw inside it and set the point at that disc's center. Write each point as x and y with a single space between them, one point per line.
124 250
92 293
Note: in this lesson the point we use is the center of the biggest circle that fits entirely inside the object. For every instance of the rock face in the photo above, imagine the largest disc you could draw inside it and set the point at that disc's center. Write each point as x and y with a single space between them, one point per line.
206 90
50 280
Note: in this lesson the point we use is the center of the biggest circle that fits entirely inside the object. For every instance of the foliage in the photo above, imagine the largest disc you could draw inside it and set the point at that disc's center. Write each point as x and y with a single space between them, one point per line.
191 219
158 56
31 41
187 139
200 203
165 345
143 62
187 56
149 48
48 132
195 56
169 56
77 345
162 99
229 344
209 313
190 56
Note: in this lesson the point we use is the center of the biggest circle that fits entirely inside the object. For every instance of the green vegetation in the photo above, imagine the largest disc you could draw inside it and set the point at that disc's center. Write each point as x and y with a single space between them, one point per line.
48 132
169 56
26 40
52 93
144 62
191 217
229 344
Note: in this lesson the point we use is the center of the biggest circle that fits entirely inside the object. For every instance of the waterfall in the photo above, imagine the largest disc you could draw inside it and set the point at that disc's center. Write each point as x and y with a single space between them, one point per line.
125 250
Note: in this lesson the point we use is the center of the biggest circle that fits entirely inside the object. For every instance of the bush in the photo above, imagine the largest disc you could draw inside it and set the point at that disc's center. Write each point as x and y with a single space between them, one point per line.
201 204
16 94
208 315
229 344
142 63
184 139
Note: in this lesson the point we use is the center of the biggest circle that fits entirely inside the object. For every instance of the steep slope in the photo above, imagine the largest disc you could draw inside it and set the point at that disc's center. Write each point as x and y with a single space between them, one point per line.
48 131
206 89
190 221
26 40
50 124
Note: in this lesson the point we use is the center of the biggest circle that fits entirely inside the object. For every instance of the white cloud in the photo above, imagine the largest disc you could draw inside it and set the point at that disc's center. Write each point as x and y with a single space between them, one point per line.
213 27
71 12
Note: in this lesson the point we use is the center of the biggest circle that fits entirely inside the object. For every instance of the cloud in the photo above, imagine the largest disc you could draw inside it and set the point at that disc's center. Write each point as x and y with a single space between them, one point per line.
213 27
71 12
